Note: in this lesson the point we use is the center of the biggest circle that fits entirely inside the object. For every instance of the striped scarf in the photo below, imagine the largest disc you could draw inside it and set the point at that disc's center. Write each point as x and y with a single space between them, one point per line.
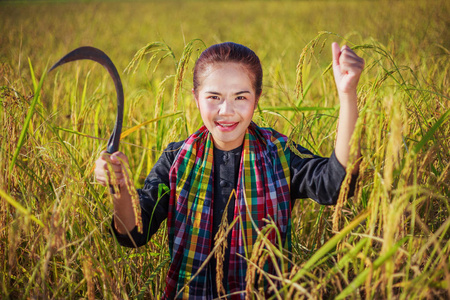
262 189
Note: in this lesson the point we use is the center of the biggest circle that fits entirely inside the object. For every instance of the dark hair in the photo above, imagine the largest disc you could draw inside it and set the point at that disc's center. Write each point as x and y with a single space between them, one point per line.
230 52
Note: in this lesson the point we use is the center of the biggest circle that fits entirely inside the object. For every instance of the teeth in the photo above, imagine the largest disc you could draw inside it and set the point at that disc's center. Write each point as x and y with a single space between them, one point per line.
226 125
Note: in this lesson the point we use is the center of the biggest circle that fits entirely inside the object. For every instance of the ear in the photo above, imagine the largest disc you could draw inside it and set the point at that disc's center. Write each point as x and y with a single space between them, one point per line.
195 97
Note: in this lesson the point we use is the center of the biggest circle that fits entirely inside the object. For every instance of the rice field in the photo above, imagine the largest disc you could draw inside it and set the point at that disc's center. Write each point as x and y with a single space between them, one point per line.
390 240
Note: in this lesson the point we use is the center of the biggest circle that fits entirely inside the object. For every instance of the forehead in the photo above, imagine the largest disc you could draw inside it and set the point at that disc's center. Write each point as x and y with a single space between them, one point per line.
229 73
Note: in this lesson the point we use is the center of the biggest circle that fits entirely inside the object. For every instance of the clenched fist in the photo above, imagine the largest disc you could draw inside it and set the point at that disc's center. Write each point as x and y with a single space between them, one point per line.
118 163
347 68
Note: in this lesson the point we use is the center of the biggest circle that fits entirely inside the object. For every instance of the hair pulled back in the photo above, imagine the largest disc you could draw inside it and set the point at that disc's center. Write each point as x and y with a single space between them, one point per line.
229 52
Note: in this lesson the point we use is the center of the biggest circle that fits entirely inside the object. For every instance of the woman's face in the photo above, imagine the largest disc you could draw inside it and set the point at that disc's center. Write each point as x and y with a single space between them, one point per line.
226 100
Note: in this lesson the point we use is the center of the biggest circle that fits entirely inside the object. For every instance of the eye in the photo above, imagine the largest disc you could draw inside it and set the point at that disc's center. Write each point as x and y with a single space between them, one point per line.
241 98
213 97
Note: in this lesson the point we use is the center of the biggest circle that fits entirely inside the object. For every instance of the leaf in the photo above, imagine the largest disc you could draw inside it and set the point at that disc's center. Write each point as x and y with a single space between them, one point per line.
150 278
292 108
36 97
430 132
326 248
134 128
20 208
363 275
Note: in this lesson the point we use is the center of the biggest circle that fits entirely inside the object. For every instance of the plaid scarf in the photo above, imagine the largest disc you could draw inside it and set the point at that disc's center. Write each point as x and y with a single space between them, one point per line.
262 189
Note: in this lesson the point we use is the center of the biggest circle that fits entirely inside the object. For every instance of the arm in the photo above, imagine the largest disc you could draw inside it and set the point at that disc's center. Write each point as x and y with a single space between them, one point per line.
318 178
124 217
347 68
154 207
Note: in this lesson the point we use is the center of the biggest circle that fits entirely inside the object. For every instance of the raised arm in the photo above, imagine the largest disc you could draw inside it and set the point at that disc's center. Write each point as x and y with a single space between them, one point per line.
347 68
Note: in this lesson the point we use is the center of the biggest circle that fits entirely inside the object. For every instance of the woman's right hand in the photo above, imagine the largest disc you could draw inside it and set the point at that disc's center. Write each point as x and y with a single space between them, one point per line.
117 162
124 213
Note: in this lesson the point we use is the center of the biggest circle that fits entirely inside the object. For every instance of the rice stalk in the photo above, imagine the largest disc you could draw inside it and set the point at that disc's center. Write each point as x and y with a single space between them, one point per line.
28 118
87 270
301 63
181 70
219 254
154 49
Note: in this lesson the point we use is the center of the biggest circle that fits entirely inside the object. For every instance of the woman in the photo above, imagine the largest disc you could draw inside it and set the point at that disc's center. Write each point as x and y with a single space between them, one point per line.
230 153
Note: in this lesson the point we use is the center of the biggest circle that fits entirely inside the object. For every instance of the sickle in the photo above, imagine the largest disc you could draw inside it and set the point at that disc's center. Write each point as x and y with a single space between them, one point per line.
100 57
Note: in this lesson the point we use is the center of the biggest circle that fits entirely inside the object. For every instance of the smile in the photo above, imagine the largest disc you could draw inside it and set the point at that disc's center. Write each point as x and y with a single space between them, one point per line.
226 126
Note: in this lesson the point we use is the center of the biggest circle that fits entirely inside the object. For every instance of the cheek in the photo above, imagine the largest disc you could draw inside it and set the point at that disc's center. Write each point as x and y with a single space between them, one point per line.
206 108
247 114
250 113
246 109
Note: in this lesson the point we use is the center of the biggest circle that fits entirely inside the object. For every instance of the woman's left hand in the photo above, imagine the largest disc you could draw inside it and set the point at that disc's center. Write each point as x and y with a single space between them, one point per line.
347 68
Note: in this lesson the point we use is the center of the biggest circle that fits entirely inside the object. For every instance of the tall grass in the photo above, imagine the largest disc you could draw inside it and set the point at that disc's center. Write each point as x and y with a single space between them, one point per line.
390 240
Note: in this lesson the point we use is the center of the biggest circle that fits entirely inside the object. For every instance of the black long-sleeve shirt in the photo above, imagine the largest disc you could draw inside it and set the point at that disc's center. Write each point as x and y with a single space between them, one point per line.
315 177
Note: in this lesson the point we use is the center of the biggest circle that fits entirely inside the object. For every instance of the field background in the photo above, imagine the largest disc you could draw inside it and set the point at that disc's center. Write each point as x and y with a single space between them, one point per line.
391 240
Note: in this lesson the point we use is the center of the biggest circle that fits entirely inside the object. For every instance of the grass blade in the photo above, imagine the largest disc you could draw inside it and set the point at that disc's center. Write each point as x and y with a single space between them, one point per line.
134 128
328 246
23 133
376 264
20 208
430 132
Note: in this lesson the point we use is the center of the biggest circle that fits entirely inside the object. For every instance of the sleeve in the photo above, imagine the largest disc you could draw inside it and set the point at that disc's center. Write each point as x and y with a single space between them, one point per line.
153 199
318 178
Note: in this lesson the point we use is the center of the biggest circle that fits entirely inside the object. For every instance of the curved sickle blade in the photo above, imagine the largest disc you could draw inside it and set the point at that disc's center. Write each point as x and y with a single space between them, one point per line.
100 57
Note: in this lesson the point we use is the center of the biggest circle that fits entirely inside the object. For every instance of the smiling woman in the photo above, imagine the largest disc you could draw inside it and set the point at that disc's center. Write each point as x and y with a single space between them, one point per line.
227 87
226 101
231 171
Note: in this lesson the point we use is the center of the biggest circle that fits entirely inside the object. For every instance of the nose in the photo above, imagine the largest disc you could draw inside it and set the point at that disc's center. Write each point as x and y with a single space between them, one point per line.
226 108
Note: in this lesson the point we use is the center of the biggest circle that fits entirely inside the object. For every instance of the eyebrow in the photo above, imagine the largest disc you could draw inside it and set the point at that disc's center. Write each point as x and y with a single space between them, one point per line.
243 92
238 93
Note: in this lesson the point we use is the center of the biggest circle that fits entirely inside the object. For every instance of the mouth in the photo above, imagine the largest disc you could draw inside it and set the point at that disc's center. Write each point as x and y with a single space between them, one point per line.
226 126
